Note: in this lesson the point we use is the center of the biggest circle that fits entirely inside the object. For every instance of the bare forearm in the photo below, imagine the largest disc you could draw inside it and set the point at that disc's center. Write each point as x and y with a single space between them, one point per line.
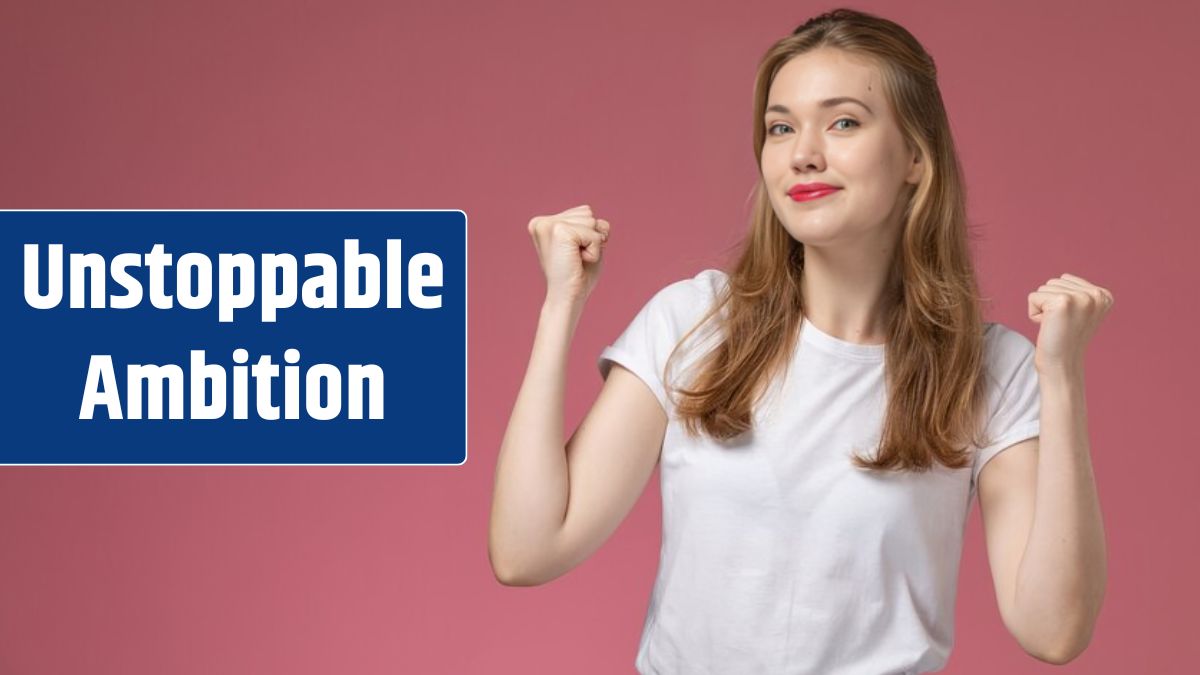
531 490
1062 575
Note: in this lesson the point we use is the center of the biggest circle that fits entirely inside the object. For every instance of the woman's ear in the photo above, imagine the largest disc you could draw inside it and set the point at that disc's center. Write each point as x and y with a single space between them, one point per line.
916 168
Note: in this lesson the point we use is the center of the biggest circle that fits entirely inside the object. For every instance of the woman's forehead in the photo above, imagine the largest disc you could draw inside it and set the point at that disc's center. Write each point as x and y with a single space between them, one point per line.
822 74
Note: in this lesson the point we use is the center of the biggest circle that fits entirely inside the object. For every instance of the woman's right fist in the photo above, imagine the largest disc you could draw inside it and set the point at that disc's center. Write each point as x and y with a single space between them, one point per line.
570 248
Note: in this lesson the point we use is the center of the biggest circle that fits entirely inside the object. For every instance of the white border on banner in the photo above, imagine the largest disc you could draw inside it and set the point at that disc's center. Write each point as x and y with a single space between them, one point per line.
466 331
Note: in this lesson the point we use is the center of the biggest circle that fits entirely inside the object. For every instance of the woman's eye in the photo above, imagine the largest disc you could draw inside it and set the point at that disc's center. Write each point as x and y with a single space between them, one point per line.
771 129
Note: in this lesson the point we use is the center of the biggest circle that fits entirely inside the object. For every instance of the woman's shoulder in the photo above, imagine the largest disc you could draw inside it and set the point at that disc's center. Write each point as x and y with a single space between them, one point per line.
692 293
1006 351
681 304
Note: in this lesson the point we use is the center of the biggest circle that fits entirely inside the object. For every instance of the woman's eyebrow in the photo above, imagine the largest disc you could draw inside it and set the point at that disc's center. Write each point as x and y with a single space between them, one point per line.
827 103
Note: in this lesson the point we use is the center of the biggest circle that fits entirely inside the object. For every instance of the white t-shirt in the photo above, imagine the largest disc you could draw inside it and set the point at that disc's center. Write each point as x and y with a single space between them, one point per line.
780 556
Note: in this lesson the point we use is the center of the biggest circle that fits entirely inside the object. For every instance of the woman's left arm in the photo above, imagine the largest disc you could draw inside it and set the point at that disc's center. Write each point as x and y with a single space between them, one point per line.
1045 534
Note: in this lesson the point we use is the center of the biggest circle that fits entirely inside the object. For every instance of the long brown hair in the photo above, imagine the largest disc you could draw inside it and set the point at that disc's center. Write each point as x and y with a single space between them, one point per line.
934 351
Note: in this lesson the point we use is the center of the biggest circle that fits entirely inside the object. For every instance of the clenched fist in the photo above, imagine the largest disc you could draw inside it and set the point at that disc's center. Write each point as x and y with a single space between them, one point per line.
570 248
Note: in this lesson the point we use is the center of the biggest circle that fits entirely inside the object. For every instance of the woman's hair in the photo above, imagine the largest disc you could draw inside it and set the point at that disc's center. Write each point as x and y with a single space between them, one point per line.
934 351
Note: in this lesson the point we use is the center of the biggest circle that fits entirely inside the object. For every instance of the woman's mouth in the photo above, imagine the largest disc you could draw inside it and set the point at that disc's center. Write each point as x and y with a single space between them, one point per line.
809 195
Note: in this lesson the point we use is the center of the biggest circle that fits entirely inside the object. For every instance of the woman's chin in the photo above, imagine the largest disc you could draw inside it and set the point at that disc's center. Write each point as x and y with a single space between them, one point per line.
814 231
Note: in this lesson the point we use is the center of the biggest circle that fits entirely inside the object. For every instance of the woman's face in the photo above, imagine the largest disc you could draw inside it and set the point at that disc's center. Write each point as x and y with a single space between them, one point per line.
813 137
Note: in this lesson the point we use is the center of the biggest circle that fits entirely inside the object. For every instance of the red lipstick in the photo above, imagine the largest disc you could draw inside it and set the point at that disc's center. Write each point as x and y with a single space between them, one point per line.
803 192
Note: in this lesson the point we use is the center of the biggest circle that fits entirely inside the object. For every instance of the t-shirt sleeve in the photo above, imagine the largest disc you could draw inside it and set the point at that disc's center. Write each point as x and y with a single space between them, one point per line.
649 340
1016 406
644 346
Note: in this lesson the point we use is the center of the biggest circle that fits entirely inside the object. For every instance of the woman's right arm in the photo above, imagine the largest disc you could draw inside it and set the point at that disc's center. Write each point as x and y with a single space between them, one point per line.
554 505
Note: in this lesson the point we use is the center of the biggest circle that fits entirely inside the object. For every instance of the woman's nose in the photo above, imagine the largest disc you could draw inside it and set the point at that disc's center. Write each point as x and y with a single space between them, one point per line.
807 153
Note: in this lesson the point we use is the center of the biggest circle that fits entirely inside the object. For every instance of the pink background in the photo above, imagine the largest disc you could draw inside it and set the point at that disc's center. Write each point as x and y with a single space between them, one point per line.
1078 135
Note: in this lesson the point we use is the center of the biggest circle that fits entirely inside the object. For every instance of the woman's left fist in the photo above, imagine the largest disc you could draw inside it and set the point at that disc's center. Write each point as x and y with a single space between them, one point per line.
1069 310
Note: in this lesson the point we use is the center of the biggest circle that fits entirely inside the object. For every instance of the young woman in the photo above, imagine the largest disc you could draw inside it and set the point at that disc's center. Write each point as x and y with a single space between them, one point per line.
825 411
